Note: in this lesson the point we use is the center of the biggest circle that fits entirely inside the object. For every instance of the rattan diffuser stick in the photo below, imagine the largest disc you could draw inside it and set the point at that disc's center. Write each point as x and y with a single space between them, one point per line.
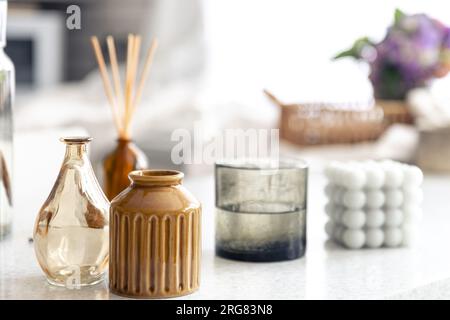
114 68
123 104
106 82
145 72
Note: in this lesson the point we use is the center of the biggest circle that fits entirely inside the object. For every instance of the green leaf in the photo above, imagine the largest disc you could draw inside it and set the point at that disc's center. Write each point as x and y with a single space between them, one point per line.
398 15
346 53
356 50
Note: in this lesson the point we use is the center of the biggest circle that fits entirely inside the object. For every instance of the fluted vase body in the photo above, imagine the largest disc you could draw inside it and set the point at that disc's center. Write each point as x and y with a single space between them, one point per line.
155 238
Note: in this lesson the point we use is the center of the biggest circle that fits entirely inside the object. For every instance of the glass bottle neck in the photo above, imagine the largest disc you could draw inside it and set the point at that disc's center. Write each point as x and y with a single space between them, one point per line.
75 151
3 17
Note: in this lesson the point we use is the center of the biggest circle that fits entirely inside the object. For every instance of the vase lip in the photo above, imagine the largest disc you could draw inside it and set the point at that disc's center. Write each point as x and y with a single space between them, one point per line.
76 139
156 176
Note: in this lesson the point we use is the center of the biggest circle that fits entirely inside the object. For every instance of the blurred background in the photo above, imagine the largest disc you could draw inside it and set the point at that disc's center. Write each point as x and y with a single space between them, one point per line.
213 62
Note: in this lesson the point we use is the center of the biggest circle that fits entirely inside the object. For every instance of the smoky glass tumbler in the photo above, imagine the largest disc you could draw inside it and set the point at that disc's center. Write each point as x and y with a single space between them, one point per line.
261 209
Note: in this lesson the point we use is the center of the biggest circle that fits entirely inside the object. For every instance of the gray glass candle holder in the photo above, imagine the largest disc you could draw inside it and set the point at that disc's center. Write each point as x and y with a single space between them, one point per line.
261 209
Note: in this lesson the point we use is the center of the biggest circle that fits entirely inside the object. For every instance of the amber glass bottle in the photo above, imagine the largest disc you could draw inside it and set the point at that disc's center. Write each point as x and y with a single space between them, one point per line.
125 158
71 231
7 83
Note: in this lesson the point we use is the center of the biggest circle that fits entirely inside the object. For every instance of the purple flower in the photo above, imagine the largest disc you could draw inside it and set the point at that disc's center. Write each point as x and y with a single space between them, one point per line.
415 50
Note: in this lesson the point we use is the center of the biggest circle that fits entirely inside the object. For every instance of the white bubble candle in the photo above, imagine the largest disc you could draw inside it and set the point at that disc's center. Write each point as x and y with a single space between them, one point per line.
373 204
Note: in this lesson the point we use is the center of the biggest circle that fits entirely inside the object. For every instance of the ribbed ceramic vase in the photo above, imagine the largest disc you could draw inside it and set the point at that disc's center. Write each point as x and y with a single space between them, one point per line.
155 237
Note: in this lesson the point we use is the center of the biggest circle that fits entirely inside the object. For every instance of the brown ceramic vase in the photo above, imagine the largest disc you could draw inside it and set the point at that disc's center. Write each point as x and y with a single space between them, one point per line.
155 237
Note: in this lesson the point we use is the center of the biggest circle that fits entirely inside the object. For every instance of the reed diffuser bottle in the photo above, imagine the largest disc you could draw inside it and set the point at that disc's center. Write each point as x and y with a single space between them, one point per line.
71 231
126 157
7 82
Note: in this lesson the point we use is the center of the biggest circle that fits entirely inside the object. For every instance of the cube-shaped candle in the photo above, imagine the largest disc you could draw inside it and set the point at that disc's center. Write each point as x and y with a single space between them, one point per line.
373 203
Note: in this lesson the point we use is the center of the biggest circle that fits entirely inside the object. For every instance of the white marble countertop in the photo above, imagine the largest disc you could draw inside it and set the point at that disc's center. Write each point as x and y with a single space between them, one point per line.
326 272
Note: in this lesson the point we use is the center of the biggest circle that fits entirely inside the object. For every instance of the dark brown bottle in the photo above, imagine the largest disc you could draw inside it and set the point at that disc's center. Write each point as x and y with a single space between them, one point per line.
126 157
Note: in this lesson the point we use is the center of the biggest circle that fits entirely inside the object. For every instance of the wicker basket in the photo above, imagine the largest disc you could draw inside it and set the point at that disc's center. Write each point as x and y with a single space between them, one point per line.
395 111
326 123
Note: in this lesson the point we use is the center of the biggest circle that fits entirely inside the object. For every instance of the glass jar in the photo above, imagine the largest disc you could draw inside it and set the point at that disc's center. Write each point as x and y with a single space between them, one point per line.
261 209
71 231
7 84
